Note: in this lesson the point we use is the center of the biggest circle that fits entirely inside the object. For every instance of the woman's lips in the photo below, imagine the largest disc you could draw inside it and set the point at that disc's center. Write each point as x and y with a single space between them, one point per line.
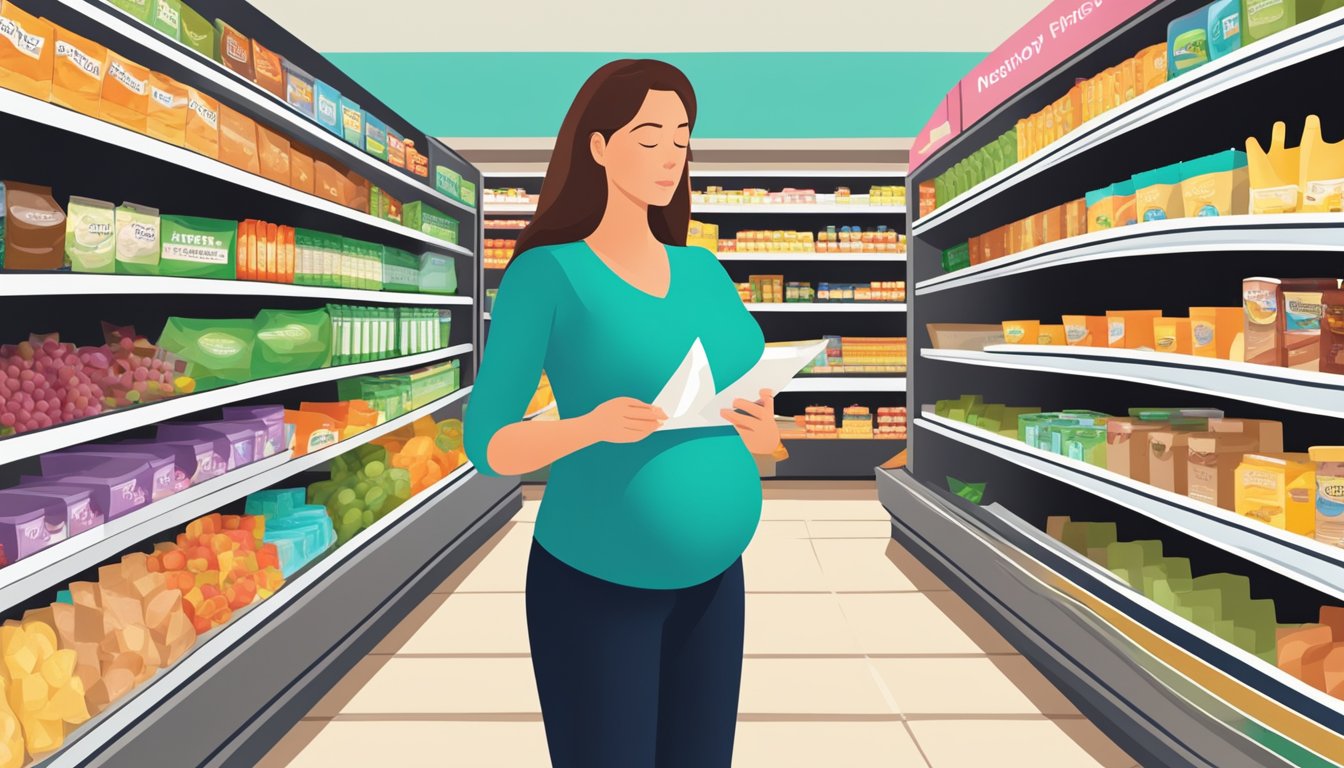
666 183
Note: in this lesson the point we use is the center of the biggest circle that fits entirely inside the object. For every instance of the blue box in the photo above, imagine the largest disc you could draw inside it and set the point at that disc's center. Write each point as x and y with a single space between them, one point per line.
328 110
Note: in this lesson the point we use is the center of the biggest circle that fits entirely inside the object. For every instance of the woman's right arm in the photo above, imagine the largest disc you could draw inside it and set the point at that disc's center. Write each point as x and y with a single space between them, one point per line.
498 440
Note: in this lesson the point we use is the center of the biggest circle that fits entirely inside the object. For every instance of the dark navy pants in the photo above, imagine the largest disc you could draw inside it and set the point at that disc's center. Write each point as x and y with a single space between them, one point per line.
635 678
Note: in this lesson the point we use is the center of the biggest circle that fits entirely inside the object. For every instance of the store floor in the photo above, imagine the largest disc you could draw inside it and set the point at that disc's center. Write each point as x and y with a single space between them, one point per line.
855 656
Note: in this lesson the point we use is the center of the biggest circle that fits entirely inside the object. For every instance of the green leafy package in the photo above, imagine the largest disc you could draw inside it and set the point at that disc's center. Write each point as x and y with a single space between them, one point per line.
217 351
290 341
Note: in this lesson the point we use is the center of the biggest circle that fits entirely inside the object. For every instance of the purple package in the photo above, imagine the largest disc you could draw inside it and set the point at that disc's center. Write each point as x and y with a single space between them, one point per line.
163 482
238 445
81 511
259 429
120 486
273 416
30 524
195 459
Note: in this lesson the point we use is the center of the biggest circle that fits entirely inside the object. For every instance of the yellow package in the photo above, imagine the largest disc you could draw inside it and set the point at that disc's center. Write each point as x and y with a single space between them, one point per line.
77 73
125 93
1217 331
167 118
1279 490
1171 334
1131 329
1086 330
1321 170
1073 108
1126 78
1153 66
25 52
1052 336
1274 173
1021 331
202 123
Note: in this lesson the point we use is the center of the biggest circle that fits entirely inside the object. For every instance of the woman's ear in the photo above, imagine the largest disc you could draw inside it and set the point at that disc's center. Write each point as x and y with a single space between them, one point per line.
598 146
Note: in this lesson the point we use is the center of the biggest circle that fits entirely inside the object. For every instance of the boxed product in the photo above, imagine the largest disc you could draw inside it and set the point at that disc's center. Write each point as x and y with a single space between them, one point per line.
1263 18
26 52
269 70
167 116
198 247
1212 463
1321 170
30 524
77 512
125 100
1086 330
1132 329
138 239
375 136
197 459
299 93
1283 320
139 9
90 239
161 474
235 50
236 440
1111 206
202 123
1332 332
1278 489
396 150
1127 445
1224 25
1168 459
238 140
328 107
1187 42
166 18
119 485
1215 185
77 73
468 192
273 156
34 228
1217 332
448 181
352 122
401 271
1157 194
438 274
197 33
1172 335
422 218
301 170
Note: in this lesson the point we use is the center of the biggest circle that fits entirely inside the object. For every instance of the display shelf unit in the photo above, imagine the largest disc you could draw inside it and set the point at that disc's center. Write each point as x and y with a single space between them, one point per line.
63 284
1163 689
796 321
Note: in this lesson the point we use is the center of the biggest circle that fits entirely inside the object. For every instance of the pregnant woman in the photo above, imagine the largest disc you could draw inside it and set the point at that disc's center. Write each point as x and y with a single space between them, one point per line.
634 583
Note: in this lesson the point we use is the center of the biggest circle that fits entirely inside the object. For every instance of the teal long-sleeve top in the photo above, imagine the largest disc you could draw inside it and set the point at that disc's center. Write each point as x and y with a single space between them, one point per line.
673 510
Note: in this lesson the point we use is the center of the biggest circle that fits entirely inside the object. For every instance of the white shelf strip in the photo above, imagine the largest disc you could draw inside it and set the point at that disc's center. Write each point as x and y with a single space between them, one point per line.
85 743
811 256
492 209
802 173
76 284
108 16
59 118
828 306
1299 557
1266 233
1303 391
37 443
828 383
25 578
1292 46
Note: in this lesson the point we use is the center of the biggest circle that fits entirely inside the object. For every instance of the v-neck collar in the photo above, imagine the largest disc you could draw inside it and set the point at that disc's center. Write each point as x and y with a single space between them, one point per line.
671 273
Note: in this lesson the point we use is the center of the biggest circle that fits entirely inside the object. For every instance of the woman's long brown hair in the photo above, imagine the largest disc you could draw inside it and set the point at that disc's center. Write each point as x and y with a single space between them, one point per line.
574 192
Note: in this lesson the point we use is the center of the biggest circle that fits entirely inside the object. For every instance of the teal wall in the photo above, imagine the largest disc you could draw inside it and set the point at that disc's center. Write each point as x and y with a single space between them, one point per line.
741 95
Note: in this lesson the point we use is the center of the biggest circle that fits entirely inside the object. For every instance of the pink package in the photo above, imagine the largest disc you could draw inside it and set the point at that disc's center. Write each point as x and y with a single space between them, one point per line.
81 511
239 445
195 459
273 416
120 486
29 524
163 467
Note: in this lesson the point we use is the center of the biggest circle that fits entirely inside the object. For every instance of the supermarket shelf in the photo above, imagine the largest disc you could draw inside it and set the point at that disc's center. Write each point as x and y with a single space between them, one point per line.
830 383
812 256
756 208
802 173
827 306
69 121
28 577
1302 42
36 443
1298 557
1213 235
836 459
542 410
75 284
369 166
494 208
294 645
1302 391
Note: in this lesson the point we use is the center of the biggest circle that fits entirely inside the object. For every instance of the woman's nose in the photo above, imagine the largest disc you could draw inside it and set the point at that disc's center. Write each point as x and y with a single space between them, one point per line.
670 164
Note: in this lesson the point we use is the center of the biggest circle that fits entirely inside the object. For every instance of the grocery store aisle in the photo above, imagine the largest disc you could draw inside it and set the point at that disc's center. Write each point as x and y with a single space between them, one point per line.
856 656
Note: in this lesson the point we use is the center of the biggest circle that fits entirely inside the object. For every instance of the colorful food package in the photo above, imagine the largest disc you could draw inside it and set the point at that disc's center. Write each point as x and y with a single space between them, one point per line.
1278 489
1215 185
272 269
272 417
290 341
1212 465
1267 433
1052 336
245 258
198 247
1321 173
34 228
1111 206
1262 18
26 52
1302 314
396 150
1187 42
1274 173
1269 318
375 136
1332 332
352 122
1217 332
168 109
137 9
90 237
1086 330
1021 331
302 172
1153 66
238 140
273 155
269 69
1224 25
138 239
125 99
1157 194
196 32
202 123
213 349
299 93
166 18
1131 329
235 50
328 107
1168 458
418 163
77 73
330 183
313 431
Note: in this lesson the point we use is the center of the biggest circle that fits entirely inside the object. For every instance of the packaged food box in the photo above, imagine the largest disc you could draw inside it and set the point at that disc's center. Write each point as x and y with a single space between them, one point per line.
302 171
233 445
161 479
1132 329
238 140
299 93
235 50
1086 330
119 486
352 122
1212 464
273 156
447 181
1127 446
90 239
1171 335
1278 489
1217 332
1267 434
34 228
199 458
468 192
1332 332
1216 185
29 524
1188 42
1157 194
1224 25
138 9
125 100
138 244
269 70
26 52
1168 460
396 150
1283 319
166 18
328 107
312 431
185 459
167 116
438 274
197 33
1111 206
375 136
422 218
202 123
198 247
76 505
77 72
1265 17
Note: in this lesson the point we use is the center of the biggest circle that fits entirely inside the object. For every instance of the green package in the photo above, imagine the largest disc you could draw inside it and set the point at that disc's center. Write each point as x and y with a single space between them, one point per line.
198 247
423 218
197 33
138 235
349 255
166 18
290 341
214 349
335 311
307 243
401 271
448 181
438 274
958 257
333 246
1262 18
140 9
90 236
468 192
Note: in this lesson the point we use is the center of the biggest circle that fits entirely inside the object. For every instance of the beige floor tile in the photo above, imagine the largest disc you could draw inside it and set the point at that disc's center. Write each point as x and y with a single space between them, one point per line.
834 744
919 574
952 687
504 569
811 687
418 745
904 623
782 529
1034 686
453 686
774 564
528 514
821 490
798 625
971 623
1001 743
849 529
859 565
1097 744
469 623
410 625
826 509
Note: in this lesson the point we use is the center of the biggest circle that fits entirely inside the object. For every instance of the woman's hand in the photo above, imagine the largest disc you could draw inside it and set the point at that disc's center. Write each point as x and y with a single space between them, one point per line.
756 424
622 420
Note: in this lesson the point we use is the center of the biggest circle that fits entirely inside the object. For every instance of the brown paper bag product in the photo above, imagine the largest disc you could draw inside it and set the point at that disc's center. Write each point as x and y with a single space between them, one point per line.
1332 332
357 193
1127 446
328 182
1212 465
269 69
26 46
1302 314
1168 456
1267 309
35 228
77 73
273 155
301 169
235 50
125 93
238 140
202 123
1267 434
167 119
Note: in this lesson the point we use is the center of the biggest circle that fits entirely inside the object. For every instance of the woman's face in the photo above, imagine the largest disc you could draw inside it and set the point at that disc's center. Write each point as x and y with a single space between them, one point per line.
646 157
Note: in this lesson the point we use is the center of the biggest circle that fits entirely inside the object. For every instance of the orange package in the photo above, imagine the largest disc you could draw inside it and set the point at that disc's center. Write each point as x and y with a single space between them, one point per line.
353 417
244 263
328 182
287 239
257 244
202 123
1052 336
235 51
238 140
357 193
273 155
1075 218
1216 331
26 45
1128 80
269 71
167 119
312 431
77 73
301 169
1131 329
1153 66
1085 330
272 262
125 93
1073 109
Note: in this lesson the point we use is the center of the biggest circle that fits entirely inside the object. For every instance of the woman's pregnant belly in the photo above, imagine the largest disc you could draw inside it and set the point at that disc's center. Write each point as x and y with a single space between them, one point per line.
671 511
